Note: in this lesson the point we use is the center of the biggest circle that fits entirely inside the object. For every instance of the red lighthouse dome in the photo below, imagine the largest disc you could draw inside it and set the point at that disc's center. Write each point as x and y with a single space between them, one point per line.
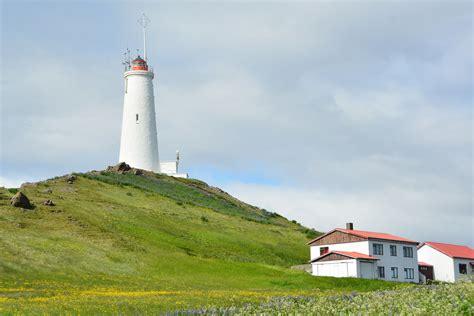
139 64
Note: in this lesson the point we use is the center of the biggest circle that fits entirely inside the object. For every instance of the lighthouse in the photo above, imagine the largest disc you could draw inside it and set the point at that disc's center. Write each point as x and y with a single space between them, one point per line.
139 143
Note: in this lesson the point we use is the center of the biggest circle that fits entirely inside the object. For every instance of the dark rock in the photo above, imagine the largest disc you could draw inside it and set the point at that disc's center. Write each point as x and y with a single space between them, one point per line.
119 168
71 178
48 203
20 200
137 172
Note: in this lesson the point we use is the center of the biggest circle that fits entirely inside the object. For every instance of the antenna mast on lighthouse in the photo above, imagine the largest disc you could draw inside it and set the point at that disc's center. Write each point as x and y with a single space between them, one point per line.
144 21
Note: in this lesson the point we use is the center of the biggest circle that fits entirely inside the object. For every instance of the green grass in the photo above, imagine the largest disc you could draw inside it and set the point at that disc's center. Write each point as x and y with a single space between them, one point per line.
122 232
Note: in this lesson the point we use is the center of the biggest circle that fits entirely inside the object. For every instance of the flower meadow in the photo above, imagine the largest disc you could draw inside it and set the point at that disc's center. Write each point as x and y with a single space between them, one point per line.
439 299
435 299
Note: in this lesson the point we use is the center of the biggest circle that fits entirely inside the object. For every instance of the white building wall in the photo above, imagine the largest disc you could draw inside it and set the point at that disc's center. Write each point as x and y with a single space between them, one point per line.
459 276
139 144
338 269
168 167
443 265
359 246
399 261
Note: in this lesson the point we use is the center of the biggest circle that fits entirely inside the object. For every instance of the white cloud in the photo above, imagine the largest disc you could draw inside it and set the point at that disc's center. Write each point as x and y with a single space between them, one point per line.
347 109
11 183
423 214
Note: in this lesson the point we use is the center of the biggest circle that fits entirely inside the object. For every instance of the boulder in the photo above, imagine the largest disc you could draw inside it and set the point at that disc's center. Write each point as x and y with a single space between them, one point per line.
137 172
48 203
20 200
71 178
119 168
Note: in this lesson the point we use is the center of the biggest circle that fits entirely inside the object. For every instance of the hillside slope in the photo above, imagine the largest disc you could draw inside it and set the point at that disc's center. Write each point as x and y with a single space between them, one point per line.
145 227
148 232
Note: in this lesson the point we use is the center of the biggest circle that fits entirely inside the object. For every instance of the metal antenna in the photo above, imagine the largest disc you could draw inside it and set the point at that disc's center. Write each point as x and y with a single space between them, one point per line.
128 57
124 63
144 21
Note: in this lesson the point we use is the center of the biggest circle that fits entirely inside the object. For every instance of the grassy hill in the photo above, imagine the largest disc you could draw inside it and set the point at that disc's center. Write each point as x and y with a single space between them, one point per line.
121 239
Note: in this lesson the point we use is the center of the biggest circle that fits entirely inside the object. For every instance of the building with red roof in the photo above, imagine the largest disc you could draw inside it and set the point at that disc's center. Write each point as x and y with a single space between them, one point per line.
450 262
364 254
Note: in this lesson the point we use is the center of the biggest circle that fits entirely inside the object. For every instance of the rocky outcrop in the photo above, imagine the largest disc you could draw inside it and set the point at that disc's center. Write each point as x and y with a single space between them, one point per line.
20 200
119 168
48 203
137 172
71 178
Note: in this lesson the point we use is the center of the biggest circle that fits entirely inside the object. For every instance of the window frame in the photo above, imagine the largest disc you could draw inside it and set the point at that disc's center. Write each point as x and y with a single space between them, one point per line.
393 253
407 252
394 271
465 268
409 273
377 249
381 272
323 250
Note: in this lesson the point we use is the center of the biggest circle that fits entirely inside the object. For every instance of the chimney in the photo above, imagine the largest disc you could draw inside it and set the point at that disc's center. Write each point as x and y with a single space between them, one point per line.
349 226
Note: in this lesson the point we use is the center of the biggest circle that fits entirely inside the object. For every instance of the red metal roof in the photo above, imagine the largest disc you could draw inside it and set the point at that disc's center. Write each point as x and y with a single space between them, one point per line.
421 263
453 251
355 255
367 235
350 254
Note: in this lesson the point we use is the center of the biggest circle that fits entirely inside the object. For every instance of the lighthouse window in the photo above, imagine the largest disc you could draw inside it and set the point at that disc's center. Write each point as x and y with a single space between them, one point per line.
136 118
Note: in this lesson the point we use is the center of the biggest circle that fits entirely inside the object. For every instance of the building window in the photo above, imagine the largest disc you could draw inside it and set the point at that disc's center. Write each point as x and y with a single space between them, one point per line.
409 273
393 250
381 272
378 249
136 118
394 272
323 250
463 268
408 252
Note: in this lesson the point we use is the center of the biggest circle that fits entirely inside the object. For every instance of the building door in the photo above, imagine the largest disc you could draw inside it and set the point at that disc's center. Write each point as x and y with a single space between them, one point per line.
367 270
427 272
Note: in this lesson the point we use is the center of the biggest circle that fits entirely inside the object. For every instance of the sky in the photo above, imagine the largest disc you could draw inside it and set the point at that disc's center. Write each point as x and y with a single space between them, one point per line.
325 112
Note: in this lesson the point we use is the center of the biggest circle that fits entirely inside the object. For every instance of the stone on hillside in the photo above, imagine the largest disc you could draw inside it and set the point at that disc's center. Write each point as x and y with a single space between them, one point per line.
137 172
71 178
20 200
119 168
48 203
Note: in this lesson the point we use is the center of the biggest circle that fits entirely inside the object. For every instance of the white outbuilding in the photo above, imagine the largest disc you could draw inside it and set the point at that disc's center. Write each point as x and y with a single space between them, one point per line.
450 262
345 264
363 254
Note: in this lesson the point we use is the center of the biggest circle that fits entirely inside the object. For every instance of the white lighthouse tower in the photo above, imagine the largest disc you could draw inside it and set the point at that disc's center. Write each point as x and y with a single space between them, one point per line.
139 143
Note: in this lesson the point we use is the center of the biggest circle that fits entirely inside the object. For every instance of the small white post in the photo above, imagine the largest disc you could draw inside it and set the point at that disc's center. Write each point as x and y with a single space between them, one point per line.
177 160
